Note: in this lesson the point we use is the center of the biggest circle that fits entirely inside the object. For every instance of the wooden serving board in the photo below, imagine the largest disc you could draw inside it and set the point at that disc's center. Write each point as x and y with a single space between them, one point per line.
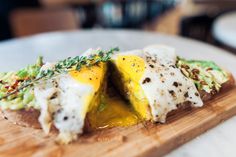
151 140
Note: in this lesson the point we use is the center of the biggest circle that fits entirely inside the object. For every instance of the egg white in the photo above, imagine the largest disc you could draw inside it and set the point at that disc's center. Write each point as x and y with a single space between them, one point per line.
161 72
64 102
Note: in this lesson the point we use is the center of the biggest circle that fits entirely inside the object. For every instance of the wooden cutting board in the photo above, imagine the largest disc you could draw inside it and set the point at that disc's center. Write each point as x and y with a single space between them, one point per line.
140 140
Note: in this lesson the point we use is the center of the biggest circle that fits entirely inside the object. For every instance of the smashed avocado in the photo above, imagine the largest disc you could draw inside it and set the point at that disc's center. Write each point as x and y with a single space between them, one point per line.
206 75
11 81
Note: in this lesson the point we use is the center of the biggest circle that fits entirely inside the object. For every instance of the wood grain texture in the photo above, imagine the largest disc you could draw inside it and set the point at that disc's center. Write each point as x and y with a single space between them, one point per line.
152 140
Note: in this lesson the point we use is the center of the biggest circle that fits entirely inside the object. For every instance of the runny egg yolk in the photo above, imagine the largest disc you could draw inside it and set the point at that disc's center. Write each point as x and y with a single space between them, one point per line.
132 68
90 75
133 65
112 112
105 111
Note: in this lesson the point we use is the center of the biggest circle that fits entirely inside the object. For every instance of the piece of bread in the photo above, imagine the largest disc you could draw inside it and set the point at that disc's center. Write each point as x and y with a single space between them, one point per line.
26 118
29 118
225 86
206 96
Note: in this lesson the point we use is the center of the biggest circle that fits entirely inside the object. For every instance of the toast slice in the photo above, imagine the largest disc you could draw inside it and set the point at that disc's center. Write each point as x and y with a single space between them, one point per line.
29 117
131 72
23 117
128 75
60 101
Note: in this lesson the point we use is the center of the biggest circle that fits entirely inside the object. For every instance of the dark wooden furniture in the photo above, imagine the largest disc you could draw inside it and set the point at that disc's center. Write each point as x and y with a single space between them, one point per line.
31 21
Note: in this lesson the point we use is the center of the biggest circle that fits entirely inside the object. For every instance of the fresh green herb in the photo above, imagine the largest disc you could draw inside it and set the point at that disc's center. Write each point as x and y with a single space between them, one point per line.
30 71
102 107
22 73
206 75
64 66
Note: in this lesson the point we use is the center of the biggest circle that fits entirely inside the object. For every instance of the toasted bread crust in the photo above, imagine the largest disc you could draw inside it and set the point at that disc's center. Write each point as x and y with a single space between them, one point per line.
29 118
225 86
26 118
206 96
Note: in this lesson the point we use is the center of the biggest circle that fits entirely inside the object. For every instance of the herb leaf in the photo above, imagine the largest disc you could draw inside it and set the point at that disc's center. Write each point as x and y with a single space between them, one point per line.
102 107
62 66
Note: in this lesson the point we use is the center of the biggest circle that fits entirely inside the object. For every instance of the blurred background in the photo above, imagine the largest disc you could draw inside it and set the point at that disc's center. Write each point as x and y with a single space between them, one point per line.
197 19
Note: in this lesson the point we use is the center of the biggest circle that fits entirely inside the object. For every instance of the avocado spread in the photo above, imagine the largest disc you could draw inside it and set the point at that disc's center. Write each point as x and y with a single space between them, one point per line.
206 75
10 81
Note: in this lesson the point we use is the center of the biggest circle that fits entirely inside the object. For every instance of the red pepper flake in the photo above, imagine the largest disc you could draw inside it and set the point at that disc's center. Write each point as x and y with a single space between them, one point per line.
14 86
10 90
195 71
7 87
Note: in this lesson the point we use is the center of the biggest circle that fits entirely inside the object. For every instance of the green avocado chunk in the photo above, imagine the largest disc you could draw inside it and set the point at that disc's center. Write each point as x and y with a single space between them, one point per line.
206 75
11 80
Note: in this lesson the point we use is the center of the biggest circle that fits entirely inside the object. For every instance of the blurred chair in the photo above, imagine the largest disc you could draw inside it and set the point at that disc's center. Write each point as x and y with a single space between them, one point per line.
56 3
31 21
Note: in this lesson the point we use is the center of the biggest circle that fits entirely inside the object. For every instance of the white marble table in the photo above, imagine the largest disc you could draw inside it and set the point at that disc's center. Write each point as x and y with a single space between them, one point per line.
217 142
224 29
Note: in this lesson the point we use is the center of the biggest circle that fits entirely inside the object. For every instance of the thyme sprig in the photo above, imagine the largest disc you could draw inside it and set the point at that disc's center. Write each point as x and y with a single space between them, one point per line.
64 66
77 62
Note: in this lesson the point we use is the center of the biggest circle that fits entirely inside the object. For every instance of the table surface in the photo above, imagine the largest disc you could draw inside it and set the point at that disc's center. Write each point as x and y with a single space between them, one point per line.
224 29
219 141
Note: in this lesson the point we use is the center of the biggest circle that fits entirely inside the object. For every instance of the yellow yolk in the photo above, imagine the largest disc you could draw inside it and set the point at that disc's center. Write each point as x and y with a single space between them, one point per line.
132 65
90 75
115 113
112 112
94 76
132 69
106 112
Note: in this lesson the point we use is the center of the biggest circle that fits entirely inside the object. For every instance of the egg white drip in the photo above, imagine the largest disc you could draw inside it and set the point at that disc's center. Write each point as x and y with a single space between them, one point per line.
64 102
164 75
